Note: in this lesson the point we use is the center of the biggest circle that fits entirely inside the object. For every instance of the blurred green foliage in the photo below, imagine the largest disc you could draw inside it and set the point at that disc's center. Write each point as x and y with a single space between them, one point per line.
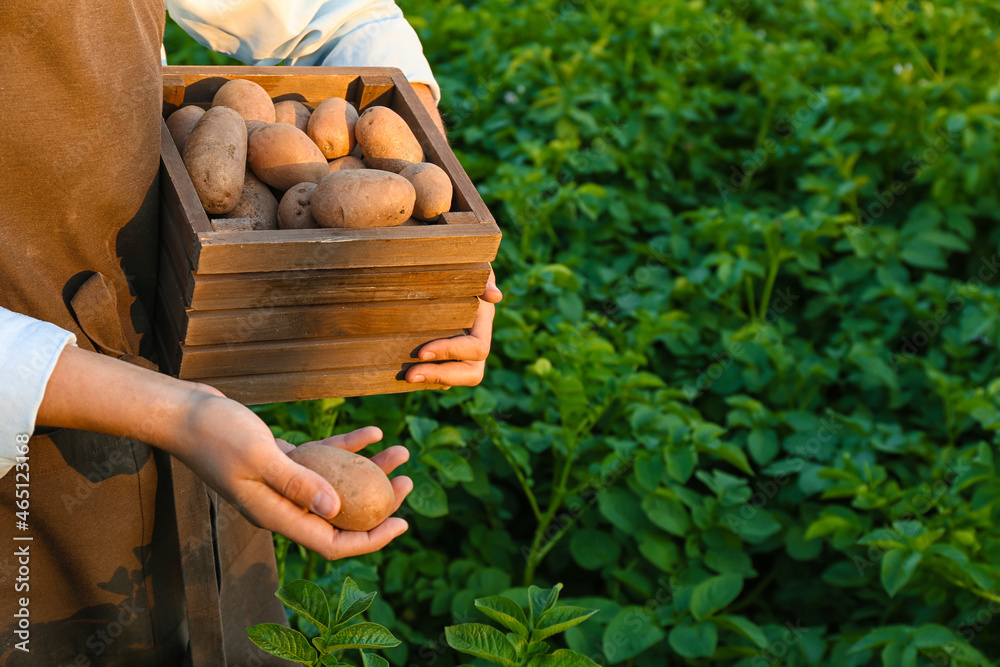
744 392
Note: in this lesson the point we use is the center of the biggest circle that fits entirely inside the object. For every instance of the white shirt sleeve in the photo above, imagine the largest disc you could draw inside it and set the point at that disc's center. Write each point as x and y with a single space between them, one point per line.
341 33
29 349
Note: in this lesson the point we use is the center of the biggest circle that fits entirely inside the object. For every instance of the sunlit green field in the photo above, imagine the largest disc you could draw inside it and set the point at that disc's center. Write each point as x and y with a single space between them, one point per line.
743 396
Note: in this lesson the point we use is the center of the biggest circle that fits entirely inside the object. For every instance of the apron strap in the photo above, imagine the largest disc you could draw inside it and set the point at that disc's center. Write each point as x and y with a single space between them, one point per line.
198 567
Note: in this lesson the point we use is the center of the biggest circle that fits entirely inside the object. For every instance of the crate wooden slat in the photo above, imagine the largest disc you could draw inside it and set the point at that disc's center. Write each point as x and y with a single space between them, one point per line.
209 327
298 314
296 322
273 388
289 288
427 245
246 357
305 355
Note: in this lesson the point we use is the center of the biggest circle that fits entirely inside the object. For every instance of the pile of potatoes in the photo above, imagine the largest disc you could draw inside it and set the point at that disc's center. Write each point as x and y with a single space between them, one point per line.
330 167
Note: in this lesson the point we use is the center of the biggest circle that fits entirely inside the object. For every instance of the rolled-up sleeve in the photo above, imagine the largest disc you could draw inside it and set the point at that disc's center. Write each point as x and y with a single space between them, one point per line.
351 33
29 350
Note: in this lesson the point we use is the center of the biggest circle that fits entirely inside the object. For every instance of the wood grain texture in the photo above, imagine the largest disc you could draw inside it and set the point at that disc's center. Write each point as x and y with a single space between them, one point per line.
428 245
169 294
171 251
297 322
309 85
284 356
375 90
300 288
459 218
282 387
173 93
197 551
167 341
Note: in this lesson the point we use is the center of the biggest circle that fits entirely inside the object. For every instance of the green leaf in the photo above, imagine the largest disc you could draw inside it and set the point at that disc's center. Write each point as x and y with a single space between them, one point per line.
754 529
743 626
667 513
373 660
680 460
541 600
446 436
452 465
931 635
826 525
763 445
282 642
362 635
427 498
879 636
658 549
621 507
420 427
898 566
352 601
308 600
951 553
633 630
559 619
714 594
729 453
592 550
517 641
481 641
504 611
562 658
694 640
534 648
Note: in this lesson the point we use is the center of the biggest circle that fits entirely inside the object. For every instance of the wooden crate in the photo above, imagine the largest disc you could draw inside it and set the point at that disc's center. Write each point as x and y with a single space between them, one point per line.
285 315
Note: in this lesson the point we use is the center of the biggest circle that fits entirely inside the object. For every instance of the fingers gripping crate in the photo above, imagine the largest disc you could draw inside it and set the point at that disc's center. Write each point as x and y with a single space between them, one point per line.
283 315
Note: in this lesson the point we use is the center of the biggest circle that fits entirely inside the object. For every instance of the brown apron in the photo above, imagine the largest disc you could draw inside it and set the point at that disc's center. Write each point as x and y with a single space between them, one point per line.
131 561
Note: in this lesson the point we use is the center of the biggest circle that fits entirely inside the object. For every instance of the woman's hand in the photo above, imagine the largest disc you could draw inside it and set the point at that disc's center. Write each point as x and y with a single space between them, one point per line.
230 448
223 442
465 355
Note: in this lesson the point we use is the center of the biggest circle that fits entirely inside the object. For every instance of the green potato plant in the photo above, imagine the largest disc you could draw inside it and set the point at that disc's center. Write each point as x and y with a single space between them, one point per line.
338 629
524 645
744 390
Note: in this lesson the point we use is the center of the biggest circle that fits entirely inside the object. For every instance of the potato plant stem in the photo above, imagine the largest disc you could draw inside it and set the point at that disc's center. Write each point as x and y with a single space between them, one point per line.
538 549
751 305
774 263
520 478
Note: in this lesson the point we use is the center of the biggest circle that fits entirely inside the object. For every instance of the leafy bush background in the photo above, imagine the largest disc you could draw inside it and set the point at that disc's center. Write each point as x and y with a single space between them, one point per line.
743 396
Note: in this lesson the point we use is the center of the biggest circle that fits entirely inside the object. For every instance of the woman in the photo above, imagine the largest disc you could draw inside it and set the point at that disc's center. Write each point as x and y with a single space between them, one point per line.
121 558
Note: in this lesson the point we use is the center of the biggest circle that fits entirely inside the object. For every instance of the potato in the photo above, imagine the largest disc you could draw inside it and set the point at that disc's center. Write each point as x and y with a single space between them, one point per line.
362 198
386 140
282 155
291 112
366 495
332 127
346 162
257 204
433 189
181 124
247 99
253 126
294 211
215 156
